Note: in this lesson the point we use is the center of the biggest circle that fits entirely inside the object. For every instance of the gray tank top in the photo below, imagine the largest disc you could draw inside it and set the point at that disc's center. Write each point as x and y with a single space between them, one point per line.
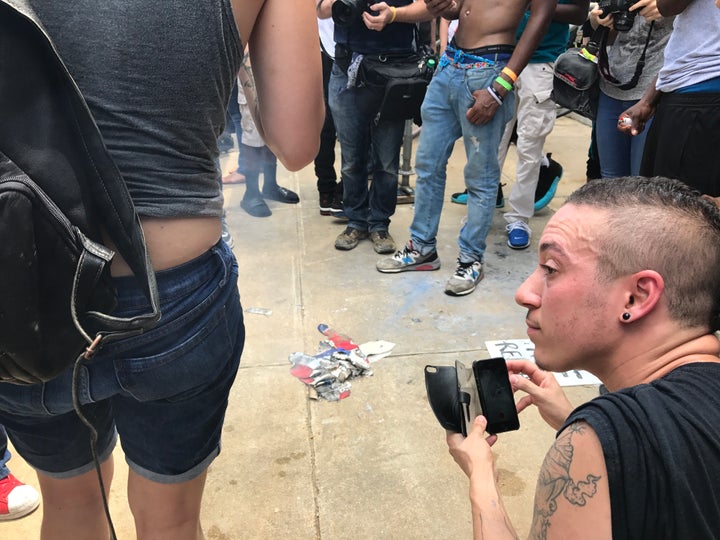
157 77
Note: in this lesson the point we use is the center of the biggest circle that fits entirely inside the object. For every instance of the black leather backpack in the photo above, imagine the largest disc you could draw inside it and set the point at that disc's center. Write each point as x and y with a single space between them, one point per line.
59 190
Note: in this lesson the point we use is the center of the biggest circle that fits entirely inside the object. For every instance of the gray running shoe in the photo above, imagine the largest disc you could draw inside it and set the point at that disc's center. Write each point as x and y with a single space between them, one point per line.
465 278
408 258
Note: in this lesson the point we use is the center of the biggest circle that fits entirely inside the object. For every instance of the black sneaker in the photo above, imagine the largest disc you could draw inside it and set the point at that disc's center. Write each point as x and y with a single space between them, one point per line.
500 200
548 180
461 197
326 203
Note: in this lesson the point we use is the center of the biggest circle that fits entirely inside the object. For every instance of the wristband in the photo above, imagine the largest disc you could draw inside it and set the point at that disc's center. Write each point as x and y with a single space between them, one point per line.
502 82
510 73
394 14
495 95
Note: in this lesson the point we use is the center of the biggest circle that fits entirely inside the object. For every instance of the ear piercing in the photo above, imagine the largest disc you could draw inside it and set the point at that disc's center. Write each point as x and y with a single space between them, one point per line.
626 316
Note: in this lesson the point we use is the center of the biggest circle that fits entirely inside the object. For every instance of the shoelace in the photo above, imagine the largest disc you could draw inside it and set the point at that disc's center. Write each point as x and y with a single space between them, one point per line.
406 252
463 269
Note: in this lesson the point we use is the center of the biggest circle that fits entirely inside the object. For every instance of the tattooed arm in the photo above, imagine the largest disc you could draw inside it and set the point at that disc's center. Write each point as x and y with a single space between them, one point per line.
572 497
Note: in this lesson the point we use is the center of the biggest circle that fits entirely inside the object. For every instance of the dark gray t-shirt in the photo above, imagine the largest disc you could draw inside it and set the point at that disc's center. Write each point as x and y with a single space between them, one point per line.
157 77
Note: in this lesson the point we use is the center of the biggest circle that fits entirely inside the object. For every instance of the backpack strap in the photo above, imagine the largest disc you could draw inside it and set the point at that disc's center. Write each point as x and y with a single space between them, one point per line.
88 188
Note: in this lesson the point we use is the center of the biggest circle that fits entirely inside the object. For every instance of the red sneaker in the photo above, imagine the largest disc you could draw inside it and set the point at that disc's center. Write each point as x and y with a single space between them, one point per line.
16 499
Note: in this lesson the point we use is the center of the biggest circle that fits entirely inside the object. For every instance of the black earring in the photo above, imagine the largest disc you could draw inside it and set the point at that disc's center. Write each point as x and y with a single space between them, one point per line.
626 316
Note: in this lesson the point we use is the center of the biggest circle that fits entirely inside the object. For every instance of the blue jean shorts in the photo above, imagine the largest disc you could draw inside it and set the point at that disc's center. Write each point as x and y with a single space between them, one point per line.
163 392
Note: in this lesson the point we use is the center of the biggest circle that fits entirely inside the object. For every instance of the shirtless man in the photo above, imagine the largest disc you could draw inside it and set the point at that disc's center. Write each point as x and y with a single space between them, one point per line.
470 96
157 77
613 294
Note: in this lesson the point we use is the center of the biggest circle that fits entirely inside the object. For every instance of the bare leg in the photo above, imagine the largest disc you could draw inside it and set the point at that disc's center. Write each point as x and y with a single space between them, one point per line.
166 511
73 507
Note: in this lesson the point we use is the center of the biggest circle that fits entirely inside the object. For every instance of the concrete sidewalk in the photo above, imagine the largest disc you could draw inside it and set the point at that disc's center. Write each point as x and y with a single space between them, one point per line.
374 465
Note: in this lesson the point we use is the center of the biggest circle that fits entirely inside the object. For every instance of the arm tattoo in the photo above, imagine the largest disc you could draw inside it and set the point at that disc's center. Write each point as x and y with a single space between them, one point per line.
555 480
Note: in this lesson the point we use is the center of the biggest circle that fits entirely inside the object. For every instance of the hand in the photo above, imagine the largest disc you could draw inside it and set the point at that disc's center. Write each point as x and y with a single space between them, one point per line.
596 19
438 7
473 453
638 114
483 109
648 9
543 391
380 19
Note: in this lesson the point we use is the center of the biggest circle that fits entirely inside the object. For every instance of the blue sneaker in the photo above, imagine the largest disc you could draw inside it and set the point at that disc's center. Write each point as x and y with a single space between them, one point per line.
548 180
461 198
518 234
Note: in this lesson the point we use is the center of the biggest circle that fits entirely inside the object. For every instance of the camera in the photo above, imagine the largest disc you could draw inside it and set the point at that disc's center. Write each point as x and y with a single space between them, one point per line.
346 12
623 18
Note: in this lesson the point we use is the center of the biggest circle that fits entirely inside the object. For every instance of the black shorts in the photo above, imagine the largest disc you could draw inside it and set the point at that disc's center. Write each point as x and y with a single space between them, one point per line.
684 141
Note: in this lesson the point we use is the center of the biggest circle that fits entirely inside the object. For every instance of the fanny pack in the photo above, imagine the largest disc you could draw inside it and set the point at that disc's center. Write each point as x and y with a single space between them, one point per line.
59 192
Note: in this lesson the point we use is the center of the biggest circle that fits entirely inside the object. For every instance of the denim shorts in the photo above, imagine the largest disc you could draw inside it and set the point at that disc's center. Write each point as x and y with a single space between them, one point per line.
163 392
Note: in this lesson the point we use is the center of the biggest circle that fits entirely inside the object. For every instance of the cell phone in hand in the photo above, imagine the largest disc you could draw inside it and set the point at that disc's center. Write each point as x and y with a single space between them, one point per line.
496 396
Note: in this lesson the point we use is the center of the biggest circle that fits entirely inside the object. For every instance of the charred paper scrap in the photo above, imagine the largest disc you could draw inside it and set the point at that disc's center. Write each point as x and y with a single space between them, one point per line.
327 373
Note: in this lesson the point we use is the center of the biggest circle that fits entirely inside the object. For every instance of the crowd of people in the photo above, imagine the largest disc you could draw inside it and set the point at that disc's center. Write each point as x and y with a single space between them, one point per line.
626 285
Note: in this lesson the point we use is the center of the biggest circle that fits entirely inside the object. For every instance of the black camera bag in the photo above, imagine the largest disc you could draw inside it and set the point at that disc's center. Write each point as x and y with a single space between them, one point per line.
575 83
59 190
404 78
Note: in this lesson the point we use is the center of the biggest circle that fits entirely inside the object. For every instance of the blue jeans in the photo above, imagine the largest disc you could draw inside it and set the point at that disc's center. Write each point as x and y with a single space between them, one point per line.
354 110
164 391
448 98
620 153
4 454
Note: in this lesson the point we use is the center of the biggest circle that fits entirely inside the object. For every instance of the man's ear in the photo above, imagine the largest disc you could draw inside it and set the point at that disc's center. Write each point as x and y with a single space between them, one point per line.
646 289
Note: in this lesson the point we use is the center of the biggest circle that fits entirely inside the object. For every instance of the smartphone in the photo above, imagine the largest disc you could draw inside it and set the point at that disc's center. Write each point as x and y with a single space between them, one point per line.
495 395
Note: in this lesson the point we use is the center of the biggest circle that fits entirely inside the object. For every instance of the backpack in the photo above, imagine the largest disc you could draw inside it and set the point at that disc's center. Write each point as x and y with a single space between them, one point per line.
575 83
59 190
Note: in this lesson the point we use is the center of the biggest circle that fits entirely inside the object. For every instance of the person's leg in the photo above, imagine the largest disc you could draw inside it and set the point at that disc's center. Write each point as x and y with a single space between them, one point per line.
482 173
16 498
73 507
170 414
166 510
536 114
4 453
613 144
435 144
271 190
350 110
325 160
441 129
386 140
253 202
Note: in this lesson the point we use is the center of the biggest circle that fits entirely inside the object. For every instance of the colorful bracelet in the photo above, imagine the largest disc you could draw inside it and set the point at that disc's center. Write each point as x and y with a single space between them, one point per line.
495 95
505 84
394 14
510 73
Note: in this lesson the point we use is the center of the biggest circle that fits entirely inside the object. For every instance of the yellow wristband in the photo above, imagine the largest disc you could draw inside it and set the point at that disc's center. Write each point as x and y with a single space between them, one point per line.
394 14
510 73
